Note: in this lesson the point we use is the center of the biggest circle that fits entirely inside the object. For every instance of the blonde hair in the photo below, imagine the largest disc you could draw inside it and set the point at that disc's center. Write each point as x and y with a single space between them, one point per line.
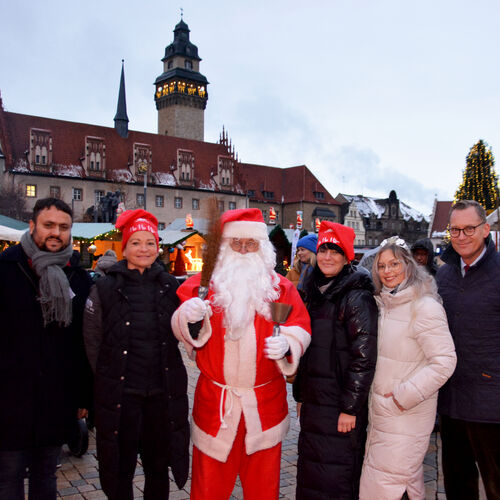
415 275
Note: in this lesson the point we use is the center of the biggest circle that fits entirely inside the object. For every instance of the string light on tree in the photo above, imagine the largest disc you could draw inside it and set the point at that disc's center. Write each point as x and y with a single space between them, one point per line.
479 181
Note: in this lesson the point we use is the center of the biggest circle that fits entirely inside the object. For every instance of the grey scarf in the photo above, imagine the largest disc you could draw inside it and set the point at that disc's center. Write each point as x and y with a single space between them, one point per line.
55 292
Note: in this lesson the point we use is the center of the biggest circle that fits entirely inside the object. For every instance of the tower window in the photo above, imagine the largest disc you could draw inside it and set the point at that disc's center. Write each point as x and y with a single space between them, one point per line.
170 64
188 64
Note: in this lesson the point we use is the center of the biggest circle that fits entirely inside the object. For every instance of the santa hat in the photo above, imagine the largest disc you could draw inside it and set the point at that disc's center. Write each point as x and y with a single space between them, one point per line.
342 236
243 223
132 221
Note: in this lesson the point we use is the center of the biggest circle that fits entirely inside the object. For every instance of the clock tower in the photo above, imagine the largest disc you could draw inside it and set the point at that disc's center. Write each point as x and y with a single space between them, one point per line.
181 90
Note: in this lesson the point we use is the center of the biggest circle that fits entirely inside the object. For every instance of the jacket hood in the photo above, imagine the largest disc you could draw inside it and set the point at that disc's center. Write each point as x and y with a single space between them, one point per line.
408 294
425 244
105 263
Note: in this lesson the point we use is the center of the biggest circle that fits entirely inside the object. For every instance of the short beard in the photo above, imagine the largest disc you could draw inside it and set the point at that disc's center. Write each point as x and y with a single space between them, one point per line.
244 284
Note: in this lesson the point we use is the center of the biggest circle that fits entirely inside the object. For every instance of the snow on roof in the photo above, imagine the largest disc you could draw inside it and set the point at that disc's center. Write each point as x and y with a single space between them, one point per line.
122 175
21 166
410 213
164 179
211 186
69 170
369 207
366 206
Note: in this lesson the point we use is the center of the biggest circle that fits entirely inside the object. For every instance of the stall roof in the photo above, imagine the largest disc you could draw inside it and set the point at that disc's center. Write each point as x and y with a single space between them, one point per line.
10 234
91 230
12 223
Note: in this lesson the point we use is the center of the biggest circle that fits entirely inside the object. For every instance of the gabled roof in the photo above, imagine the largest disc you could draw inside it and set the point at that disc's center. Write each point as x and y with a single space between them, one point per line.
368 207
288 185
440 215
68 150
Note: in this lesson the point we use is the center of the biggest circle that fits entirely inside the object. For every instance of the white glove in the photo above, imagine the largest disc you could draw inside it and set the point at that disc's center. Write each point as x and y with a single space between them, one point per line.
193 310
276 347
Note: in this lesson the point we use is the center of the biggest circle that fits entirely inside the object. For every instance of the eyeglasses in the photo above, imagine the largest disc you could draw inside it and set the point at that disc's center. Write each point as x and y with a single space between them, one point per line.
249 245
391 267
467 230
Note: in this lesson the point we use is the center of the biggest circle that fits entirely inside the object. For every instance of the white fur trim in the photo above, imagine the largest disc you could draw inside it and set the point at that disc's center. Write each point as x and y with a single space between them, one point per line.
181 331
245 229
299 340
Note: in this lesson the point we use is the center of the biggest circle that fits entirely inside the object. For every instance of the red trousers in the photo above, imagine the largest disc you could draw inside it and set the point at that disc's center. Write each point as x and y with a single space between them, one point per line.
259 472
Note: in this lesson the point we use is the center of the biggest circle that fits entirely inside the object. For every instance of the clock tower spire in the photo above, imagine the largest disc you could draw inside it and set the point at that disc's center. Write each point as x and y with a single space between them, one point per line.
181 90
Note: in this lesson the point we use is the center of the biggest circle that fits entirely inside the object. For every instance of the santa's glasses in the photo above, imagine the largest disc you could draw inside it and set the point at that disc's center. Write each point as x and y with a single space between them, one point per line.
246 244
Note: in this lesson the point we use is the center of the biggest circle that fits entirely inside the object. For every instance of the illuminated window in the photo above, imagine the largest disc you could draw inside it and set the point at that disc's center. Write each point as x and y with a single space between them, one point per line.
55 192
196 204
177 202
31 190
77 194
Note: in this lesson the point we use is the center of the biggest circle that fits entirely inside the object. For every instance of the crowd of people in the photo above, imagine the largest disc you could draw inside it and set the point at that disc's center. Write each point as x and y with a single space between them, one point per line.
372 357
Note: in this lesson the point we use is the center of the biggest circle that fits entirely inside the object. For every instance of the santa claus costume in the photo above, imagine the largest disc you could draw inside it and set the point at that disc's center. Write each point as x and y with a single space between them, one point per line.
240 413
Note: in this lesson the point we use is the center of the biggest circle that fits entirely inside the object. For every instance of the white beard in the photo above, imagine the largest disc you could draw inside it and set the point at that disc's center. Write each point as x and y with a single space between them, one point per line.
244 284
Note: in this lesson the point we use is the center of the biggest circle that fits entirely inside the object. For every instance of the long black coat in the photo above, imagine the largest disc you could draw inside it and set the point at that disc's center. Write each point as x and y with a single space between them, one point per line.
472 305
107 326
44 374
335 375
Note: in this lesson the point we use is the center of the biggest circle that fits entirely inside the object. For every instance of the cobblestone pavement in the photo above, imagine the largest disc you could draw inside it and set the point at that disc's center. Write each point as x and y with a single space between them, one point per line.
78 478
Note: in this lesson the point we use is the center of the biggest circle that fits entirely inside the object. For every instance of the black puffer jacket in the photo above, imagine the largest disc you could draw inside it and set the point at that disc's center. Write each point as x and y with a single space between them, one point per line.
44 374
334 376
118 346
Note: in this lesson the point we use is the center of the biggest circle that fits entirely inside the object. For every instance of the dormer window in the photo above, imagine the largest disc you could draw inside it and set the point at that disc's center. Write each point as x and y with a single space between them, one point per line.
185 165
95 156
268 194
225 171
41 149
320 195
143 158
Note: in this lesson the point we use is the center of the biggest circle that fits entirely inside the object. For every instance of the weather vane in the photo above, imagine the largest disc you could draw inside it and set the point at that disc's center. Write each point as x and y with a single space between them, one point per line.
182 12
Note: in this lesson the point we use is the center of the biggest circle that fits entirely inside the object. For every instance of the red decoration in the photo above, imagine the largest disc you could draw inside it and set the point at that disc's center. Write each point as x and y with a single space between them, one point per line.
272 216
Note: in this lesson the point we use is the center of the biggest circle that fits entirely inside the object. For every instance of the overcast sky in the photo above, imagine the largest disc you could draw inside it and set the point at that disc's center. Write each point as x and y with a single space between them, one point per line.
371 95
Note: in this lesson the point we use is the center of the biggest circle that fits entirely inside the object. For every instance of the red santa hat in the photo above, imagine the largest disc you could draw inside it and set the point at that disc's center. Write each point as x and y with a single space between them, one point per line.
243 223
342 236
132 221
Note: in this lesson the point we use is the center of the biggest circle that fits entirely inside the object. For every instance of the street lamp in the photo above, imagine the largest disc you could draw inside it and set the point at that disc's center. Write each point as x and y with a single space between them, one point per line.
142 168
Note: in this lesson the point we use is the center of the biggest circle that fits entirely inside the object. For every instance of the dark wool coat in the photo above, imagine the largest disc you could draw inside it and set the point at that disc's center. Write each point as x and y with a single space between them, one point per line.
44 374
472 305
109 320
334 376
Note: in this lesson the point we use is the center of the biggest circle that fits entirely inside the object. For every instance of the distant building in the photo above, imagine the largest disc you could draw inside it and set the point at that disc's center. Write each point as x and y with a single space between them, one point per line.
439 223
171 173
374 219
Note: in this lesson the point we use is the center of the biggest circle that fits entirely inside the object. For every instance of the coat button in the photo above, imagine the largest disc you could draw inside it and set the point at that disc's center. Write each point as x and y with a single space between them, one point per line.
127 323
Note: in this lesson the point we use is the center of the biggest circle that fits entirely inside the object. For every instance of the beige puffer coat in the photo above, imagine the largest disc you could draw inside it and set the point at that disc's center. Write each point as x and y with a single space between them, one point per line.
416 356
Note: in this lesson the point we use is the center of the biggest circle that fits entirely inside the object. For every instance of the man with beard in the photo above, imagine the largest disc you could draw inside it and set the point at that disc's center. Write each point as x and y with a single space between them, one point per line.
240 413
44 372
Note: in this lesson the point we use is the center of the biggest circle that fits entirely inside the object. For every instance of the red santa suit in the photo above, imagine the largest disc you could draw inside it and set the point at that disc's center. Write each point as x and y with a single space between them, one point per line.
237 379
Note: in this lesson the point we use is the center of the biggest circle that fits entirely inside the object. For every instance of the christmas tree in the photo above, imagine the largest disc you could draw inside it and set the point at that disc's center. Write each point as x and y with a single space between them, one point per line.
479 182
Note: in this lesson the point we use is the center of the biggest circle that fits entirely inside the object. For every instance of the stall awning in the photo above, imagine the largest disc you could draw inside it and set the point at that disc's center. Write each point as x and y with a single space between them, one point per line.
9 234
100 230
